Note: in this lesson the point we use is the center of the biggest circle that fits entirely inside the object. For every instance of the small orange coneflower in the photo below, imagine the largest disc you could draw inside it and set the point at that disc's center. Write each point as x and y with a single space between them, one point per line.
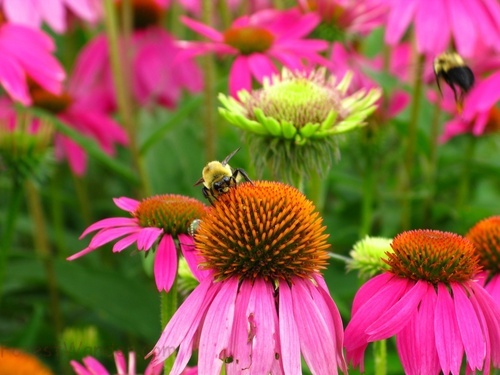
431 302
155 220
485 236
264 243
17 362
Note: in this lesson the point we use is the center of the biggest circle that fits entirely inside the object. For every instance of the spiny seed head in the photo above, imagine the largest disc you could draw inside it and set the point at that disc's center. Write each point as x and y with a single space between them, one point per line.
368 256
434 256
264 229
171 212
249 39
485 236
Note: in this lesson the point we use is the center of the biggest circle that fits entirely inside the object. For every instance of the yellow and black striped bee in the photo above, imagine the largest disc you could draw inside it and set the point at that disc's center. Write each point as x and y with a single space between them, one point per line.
218 177
450 67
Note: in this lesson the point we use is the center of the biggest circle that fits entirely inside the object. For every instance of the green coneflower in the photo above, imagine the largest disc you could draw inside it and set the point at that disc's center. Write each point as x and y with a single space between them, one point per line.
368 255
293 120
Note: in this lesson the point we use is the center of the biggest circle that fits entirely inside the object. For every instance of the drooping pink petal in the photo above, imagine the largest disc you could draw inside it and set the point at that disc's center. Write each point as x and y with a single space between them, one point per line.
147 237
399 19
408 349
185 321
295 30
126 204
289 335
240 348
448 341
53 12
429 360
126 241
13 80
316 344
75 155
470 328
493 287
369 289
79 369
192 256
217 327
95 367
111 222
463 28
109 234
393 320
120 362
165 266
260 66
428 41
81 253
239 76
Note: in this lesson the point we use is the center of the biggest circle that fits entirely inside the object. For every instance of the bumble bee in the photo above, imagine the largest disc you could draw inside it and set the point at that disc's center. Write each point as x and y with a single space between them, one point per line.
218 177
451 67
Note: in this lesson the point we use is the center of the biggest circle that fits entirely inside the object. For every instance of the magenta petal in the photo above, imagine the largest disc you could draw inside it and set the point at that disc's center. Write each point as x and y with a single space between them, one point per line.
316 343
217 327
428 41
109 234
147 237
260 66
125 242
464 28
120 362
79 369
192 256
81 253
408 348
126 204
111 222
470 328
429 361
399 19
262 331
165 266
289 335
493 287
448 341
12 78
95 367
239 76
203 29
185 321
394 319
368 289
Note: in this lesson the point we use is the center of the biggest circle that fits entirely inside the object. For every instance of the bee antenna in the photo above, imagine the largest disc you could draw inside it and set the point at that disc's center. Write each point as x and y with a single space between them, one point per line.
226 160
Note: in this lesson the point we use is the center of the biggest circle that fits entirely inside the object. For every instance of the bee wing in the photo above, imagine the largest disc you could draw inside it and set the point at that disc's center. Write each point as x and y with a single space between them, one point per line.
200 181
226 160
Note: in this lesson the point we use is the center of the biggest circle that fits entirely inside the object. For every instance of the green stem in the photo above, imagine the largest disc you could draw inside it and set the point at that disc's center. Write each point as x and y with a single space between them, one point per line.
209 90
380 357
83 199
464 183
368 185
43 251
317 190
432 168
7 234
121 69
168 305
411 144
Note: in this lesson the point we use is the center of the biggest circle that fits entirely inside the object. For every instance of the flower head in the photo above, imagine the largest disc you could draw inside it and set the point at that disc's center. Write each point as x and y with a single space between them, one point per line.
368 256
258 41
26 52
15 361
55 13
157 220
92 366
485 236
293 119
264 244
455 20
430 301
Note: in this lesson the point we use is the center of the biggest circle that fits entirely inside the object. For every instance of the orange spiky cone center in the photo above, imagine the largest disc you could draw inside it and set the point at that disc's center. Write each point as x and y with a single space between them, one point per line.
434 256
47 100
493 123
13 361
485 236
172 213
249 39
266 229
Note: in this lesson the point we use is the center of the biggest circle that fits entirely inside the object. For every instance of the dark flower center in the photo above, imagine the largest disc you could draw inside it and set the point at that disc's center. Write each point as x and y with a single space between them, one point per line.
146 13
48 101
249 39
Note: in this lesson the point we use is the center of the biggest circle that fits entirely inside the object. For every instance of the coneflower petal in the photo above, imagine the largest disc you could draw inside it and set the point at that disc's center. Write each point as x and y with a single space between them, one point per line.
147 237
165 265
110 222
289 335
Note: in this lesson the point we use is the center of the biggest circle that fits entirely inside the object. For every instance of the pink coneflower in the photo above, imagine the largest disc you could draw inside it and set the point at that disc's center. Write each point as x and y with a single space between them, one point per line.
485 236
264 245
55 12
259 41
349 15
155 76
156 223
431 302
92 366
480 115
440 23
26 52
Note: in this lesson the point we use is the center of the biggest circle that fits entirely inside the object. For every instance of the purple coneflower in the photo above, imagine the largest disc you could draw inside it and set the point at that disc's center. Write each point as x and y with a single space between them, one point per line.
156 222
258 41
264 245
92 366
431 302
485 236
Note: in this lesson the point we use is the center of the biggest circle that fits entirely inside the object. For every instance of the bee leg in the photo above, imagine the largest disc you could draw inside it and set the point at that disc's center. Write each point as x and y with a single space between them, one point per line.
438 81
242 173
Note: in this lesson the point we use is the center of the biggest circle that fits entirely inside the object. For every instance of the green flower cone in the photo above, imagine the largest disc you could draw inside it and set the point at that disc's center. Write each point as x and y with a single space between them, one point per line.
368 256
293 121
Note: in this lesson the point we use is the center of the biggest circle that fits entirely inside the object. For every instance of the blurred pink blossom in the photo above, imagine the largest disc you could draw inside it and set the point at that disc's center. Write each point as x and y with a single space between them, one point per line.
259 41
92 366
26 52
438 24
54 12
